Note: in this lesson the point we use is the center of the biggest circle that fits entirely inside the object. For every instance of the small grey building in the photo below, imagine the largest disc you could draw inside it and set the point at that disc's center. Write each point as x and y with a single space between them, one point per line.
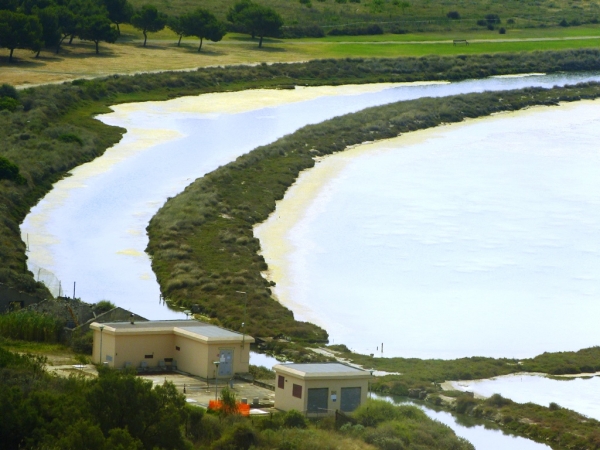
320 388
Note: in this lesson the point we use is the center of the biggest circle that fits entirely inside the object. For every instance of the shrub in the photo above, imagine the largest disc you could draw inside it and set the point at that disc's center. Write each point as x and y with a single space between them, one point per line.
498 401
70 137
195 416
294 419
10 171
502 30
6 90
492 19
303 31
465 403
261 373
454 15
83 343
241 437
563 23
103 306
8 104
373 29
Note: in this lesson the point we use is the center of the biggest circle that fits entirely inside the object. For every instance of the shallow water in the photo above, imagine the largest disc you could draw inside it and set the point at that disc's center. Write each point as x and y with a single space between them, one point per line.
579 394
90 228
260 359
478 433
478 238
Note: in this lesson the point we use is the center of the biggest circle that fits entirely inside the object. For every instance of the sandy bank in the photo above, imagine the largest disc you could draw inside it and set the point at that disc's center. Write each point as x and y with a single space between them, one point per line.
299 205
242 101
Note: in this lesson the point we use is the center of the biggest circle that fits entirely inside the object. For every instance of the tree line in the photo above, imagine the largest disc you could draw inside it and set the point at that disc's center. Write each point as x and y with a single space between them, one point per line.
38 24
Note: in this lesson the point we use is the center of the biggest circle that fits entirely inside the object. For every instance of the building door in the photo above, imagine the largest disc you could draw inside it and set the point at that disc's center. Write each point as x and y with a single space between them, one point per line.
317 400
350 399
226 365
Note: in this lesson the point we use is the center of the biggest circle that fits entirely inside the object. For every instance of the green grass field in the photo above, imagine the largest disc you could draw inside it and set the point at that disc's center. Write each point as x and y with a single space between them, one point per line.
410 15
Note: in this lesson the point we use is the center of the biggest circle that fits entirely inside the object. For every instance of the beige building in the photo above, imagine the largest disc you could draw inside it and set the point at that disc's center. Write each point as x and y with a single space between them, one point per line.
318 388
187 345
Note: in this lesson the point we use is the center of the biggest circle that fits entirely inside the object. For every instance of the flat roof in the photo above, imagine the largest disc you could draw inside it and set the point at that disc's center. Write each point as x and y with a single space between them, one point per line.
191 328
322 370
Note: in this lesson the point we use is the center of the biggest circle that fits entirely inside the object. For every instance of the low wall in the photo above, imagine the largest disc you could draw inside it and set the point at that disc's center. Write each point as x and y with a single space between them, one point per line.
10 296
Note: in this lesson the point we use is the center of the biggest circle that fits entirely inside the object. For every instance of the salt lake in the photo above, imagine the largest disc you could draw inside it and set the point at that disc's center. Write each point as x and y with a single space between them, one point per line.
576 393
479 238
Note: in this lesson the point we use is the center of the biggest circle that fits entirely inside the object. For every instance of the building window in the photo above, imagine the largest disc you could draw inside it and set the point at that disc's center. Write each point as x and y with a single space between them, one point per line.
281 382
177 348
148 356
297 391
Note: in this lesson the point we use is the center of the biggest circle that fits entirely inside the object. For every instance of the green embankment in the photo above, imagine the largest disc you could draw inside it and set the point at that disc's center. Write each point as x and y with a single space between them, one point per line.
401 15
425 374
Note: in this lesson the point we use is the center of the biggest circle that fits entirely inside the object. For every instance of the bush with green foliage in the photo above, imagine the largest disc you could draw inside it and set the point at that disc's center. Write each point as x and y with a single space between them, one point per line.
8 104
9 170
388 426
294 419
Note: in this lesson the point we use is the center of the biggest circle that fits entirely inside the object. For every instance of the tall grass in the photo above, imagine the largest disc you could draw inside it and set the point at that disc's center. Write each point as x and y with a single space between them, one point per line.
30 326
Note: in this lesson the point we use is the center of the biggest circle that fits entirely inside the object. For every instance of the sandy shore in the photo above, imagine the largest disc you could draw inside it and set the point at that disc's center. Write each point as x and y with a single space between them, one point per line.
298 202
242 101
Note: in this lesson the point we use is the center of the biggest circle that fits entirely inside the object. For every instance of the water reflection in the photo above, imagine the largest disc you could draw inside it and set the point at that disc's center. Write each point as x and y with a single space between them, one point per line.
579 394
261 359
484 435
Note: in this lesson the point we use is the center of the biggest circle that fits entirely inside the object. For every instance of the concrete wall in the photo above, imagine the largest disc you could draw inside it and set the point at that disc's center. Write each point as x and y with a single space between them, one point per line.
284 400
191 357
198 358
132 349
9 295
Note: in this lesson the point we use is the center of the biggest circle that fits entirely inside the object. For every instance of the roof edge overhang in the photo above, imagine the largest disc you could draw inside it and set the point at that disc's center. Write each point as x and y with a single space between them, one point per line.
359 374
237 338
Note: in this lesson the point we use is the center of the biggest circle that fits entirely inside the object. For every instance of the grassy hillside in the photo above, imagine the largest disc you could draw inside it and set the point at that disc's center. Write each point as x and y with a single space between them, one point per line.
408 15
